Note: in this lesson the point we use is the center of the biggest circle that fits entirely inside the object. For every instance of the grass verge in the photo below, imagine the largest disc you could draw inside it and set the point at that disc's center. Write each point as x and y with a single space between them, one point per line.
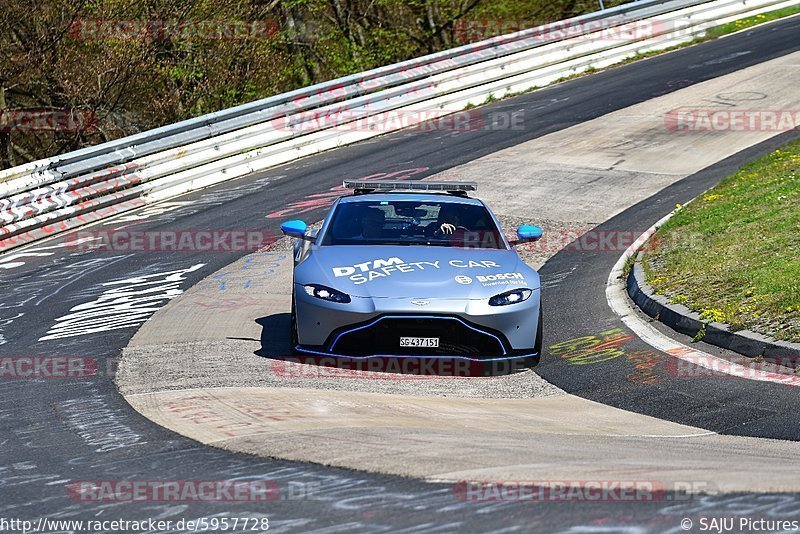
733 254
749 22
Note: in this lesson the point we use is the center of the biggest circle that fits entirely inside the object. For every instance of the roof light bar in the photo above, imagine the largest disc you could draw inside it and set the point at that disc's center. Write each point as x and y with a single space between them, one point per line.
363 186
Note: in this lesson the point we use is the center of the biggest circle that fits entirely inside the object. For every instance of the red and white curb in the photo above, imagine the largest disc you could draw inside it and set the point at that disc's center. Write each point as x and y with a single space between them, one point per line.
617 297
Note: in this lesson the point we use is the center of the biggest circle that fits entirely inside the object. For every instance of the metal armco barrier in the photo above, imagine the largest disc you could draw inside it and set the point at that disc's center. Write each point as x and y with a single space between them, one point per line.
54 195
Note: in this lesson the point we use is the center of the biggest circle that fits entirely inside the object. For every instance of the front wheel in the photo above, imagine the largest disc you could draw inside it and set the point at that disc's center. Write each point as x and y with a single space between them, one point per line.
293 320
537 346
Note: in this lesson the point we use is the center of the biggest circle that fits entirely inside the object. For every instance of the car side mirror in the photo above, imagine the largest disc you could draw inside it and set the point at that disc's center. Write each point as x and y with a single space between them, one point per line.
527 233
296 229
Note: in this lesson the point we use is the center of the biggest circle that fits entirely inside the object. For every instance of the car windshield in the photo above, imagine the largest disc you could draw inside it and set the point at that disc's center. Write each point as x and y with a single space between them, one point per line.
405 222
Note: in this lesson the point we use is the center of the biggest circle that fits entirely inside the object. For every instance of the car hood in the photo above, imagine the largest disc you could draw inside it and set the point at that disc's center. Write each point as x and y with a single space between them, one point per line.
416 271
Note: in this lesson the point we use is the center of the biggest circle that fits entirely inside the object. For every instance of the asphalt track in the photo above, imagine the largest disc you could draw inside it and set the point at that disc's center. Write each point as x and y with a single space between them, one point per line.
721 404
60 430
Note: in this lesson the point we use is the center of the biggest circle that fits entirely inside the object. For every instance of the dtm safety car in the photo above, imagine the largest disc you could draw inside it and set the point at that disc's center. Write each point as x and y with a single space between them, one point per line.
417 269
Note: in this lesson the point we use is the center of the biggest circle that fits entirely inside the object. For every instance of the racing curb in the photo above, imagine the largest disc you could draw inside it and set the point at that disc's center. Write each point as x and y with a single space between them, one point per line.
683 320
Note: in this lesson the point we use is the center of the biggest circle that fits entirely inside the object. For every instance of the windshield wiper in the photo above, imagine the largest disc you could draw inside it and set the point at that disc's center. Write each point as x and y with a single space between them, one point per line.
403 243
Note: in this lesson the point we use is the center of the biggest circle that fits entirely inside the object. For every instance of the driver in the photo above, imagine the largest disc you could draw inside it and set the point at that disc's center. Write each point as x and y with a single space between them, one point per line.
447 221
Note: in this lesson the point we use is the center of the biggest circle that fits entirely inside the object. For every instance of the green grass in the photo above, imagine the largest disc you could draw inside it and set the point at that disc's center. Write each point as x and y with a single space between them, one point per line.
733 254
749 22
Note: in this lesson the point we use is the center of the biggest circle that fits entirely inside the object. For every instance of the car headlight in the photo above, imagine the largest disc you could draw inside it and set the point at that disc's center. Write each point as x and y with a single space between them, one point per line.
326 293
510 297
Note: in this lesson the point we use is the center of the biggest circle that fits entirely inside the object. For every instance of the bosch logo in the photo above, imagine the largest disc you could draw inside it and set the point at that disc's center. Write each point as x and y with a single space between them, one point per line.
502 276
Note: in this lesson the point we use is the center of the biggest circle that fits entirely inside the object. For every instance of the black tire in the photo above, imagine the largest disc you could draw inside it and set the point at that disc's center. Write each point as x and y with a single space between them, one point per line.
537 346
294 339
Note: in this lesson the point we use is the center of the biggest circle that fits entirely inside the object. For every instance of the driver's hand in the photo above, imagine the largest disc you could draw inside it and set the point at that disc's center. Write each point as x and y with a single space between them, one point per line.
447 228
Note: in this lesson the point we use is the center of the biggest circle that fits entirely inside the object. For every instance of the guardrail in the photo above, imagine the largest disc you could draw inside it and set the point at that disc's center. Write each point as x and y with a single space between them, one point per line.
54 195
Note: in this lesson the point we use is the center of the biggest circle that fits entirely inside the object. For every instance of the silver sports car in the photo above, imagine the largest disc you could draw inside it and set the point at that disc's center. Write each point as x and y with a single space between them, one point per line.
416 269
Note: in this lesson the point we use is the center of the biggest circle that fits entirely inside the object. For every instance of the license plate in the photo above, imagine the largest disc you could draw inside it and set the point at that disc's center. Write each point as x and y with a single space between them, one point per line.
425 342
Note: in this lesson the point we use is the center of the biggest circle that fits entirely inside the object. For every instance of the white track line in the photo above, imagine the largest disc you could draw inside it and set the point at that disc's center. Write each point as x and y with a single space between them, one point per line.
617 297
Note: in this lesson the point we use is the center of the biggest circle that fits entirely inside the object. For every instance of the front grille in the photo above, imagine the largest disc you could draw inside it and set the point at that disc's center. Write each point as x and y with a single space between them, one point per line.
382 337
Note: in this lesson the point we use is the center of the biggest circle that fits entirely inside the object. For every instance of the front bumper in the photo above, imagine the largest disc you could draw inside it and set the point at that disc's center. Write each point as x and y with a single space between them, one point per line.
369 327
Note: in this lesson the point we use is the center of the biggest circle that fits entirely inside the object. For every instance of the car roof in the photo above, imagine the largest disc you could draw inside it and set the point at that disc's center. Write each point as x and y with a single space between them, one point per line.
412 197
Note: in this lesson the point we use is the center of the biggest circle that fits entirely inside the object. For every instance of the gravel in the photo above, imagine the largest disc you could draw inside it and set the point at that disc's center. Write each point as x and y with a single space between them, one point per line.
232 363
